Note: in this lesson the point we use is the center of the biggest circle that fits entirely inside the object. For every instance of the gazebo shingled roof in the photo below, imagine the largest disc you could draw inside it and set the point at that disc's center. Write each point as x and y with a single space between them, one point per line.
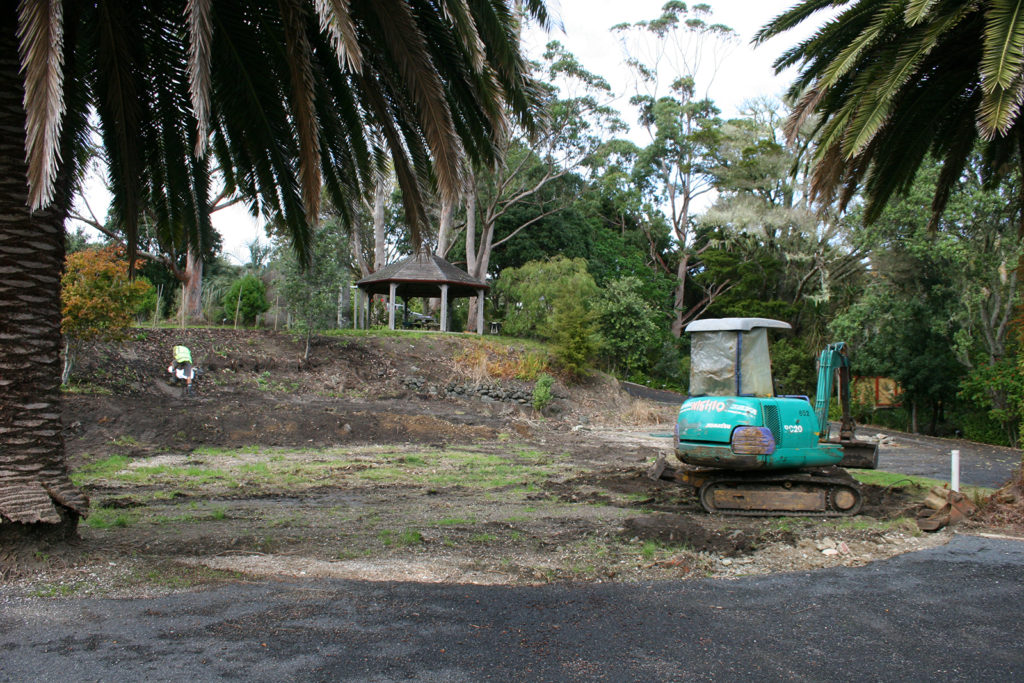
422 275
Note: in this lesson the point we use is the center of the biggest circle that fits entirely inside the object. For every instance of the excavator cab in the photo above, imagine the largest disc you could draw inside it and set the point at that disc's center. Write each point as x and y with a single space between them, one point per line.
729 356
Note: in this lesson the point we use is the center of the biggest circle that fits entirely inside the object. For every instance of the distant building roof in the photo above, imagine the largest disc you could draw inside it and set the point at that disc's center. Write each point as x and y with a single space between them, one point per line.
422 275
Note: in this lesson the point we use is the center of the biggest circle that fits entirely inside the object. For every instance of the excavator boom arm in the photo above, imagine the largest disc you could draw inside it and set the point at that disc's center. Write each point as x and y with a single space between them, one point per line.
833 358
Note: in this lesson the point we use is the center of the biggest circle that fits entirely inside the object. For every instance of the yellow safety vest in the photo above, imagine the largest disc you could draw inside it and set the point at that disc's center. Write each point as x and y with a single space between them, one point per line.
182 354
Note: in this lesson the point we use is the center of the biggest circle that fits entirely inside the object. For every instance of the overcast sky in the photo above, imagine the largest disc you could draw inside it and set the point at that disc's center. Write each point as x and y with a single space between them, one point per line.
744 73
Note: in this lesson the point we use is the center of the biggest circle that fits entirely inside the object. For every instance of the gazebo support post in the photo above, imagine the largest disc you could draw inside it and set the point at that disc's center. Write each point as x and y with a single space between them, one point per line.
444 308
357 315
480 313
393 287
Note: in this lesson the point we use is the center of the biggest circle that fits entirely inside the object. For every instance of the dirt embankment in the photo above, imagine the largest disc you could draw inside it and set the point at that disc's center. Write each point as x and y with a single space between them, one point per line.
395 457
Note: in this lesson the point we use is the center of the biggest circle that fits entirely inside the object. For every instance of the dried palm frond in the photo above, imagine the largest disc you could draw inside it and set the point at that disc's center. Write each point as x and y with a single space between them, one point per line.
41 47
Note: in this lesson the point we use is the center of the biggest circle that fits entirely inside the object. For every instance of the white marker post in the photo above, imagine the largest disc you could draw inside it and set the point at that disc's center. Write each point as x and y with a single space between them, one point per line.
954 476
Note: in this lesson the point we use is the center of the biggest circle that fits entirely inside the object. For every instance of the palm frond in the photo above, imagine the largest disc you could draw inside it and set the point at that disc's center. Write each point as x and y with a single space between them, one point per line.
849 58
302 102
916 11
197 13
1003 52
41 47
336 21
904 62
405 45
122 108
999 108
790 19
457 12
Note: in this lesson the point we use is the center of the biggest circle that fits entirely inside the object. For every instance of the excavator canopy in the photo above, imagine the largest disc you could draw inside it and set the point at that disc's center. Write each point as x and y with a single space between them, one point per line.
729 356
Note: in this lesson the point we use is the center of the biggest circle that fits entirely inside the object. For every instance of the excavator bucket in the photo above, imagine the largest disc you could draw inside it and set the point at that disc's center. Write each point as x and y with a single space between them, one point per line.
858 454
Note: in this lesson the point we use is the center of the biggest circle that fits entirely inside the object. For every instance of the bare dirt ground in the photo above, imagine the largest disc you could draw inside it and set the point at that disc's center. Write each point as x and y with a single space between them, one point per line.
408 457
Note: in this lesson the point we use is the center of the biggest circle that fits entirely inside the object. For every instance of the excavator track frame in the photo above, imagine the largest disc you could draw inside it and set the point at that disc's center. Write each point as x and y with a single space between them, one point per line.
820 492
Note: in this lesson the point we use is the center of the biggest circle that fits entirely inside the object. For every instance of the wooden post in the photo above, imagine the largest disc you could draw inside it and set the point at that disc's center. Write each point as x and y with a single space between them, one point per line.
392 288
444 308
480 313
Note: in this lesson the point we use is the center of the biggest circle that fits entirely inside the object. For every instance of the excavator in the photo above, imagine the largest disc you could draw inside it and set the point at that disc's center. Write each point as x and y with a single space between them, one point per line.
756 453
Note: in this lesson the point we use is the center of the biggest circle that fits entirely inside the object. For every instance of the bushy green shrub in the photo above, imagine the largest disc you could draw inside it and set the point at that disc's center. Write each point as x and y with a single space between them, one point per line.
530 294
978 425
573 336
542 391
628 327
247 296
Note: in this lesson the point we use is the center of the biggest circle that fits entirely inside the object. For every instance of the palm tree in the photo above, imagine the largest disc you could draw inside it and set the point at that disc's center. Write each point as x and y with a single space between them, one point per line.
283 96
887 84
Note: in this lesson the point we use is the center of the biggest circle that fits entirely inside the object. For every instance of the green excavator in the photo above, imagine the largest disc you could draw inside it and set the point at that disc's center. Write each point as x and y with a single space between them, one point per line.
756 453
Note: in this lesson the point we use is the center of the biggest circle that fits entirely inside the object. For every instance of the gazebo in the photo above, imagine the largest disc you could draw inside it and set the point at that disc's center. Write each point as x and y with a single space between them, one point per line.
421 275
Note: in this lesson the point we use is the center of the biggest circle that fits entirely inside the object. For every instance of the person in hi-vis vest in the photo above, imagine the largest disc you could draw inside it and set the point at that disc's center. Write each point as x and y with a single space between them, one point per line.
181 367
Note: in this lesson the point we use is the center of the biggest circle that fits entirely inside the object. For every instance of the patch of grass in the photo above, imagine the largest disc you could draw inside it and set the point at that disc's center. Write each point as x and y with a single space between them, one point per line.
86 388
101 469
648 550
900 523
483 538
406 537
125 440
455 521
107 518
213 451
918 484
183 577
291 520
55 590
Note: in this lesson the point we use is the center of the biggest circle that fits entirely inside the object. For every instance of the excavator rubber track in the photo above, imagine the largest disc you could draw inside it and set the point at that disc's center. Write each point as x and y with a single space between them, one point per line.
824 492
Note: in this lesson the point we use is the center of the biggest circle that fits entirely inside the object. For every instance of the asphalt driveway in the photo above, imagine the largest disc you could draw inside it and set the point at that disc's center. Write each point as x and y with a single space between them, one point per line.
929 456
950 613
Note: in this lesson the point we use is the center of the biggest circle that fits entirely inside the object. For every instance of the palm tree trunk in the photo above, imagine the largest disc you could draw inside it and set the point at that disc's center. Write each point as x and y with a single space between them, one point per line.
35 490
193 285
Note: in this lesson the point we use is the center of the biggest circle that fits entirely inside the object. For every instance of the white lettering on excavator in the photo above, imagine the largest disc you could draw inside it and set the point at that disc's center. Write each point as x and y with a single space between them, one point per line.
793 429
718 426
742 410
705 404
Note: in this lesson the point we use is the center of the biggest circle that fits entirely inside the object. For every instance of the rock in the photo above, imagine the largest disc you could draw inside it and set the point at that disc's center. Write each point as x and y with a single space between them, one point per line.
826 544
829 551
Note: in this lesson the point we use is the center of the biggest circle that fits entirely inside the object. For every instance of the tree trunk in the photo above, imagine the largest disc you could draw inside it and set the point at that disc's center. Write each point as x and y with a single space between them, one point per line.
193 285
379 247
444 228
33 473
478 259
680 295
357 244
